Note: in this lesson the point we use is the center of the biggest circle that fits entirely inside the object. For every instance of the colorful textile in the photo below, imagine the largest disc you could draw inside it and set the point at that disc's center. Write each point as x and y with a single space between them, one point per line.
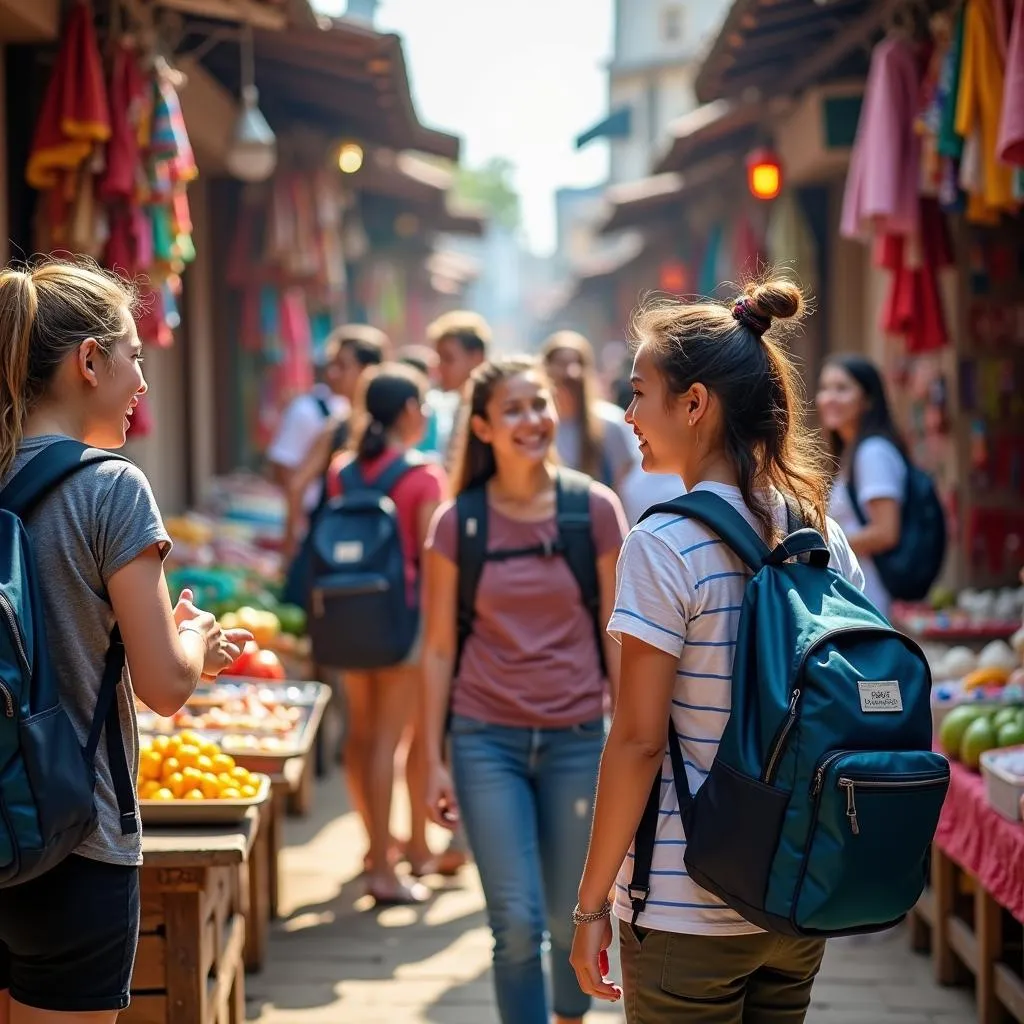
882 184
1010 145
75 113
979 109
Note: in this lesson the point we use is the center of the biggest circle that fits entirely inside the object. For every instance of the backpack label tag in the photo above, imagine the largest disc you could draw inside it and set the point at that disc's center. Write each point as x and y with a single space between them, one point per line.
880 696
347 552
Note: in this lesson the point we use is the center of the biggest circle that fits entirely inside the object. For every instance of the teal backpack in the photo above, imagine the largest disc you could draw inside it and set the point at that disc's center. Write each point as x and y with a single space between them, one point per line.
824 795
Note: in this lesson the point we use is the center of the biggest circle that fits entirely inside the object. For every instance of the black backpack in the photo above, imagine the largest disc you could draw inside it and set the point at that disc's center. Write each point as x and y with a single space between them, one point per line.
574 543
910 569
47 787
359 614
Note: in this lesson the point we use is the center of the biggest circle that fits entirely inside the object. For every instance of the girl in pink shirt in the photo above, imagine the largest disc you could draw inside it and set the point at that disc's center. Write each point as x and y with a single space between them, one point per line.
382 704
525 694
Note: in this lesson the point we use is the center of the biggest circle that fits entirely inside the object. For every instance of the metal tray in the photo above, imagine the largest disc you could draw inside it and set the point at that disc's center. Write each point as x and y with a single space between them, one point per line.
298 742
201 812
302 694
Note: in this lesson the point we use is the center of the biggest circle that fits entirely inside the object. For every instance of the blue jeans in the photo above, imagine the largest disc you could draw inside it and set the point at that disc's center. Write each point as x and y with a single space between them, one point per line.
527 798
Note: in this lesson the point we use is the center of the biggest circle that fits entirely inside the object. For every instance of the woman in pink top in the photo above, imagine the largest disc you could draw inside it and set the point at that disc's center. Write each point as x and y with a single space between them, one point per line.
383 703
526 694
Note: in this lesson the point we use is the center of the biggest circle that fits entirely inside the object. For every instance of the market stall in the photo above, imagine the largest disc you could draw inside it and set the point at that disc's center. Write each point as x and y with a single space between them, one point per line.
971 917
194 896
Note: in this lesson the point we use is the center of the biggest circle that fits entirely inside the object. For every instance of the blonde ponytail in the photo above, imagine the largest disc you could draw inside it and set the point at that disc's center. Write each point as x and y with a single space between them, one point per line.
19 303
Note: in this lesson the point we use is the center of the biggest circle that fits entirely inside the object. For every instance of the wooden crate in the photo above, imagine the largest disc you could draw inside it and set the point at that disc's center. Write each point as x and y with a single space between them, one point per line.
195 897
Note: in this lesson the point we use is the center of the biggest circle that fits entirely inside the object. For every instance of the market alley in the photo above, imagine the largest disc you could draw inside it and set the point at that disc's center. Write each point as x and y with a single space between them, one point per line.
330 964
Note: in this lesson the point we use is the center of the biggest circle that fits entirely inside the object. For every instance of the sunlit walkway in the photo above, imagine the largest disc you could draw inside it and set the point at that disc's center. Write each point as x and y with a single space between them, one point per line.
329 962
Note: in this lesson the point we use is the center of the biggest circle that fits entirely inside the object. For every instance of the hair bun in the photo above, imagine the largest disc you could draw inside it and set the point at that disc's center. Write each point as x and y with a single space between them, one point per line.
778 299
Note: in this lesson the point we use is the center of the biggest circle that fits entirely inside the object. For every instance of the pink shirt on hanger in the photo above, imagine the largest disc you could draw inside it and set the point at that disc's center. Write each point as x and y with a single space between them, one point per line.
882 184
1010 148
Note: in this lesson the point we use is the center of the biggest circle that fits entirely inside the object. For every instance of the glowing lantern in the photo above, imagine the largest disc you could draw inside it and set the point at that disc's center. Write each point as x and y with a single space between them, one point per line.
672 277
764 174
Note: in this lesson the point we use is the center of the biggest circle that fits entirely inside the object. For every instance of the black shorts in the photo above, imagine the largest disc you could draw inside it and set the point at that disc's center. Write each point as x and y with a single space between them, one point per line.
68 938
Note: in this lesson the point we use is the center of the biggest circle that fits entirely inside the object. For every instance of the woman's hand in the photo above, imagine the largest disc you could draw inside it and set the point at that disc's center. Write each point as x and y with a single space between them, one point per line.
442 804
222 646
589 959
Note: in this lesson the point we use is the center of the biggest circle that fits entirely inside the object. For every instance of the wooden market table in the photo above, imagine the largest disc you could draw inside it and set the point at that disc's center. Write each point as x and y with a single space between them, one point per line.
971 917
195 896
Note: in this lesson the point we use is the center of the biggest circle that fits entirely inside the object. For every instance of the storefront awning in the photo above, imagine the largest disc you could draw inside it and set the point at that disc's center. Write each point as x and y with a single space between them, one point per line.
617 125
458 218
342 79
777 46
712 128
638 203
402 176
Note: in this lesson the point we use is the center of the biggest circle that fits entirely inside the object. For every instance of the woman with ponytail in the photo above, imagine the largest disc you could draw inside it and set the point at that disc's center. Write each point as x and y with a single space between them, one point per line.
389 422
71 371
526 692
717 401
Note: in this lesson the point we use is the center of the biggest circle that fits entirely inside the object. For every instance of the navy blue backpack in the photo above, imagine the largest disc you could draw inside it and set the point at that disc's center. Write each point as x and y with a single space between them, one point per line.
824 795
47 778
359 613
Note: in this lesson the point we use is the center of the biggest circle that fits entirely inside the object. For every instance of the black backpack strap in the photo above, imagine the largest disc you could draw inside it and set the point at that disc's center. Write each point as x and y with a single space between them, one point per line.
576 540
722 519
47 471
353 479
321 404
107 716
471 516
646 834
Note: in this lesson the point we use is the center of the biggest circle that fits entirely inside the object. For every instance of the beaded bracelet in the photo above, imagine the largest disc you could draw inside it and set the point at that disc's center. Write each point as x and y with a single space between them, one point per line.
579 917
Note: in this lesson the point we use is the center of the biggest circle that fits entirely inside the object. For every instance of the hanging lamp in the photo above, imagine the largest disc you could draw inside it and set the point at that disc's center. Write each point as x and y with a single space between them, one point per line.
252 153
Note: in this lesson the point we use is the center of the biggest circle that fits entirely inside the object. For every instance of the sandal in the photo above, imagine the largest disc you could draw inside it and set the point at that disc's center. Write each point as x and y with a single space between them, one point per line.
447 865
402 895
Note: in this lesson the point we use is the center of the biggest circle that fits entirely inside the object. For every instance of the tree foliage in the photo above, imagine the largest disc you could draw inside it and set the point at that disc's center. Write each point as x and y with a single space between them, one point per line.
490 187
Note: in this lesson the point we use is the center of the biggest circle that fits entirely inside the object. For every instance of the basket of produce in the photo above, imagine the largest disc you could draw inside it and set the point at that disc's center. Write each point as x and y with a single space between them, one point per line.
1003 771
187 779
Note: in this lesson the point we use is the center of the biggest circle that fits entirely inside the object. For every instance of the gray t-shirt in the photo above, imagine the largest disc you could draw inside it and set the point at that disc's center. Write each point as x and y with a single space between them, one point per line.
82 533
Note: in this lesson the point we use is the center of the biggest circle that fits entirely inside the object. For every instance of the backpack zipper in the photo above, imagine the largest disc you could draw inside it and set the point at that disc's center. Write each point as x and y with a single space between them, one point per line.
780 738
12 623
850 785
778 743
8 701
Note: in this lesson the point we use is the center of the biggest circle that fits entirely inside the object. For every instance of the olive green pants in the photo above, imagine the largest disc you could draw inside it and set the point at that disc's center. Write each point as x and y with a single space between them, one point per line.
716 979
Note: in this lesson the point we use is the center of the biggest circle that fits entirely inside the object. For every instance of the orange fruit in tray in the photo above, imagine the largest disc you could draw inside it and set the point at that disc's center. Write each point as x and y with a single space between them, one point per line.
195 794
223 763
150 764
210 786
175 783
161 743
204 763
170 766
163 794
148 789
230 793
188 754
248 792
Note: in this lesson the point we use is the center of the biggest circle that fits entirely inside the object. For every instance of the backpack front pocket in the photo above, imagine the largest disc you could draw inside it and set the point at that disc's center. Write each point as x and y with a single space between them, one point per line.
874 816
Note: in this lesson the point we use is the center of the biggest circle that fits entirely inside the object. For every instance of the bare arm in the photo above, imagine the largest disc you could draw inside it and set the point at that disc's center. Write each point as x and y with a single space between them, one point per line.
440 588
297 481
606 589
168 649
881 532
632 759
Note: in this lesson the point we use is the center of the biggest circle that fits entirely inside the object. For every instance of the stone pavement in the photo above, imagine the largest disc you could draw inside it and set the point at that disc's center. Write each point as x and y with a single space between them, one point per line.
333 962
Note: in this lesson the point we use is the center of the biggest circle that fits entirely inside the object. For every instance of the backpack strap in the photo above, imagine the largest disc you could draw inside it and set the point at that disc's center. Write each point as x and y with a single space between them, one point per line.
48 470
353 479
471 514
321 404
108 717
576 539
722 519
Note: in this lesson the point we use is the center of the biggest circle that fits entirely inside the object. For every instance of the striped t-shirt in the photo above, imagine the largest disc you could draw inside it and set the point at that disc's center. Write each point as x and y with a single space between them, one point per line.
680 590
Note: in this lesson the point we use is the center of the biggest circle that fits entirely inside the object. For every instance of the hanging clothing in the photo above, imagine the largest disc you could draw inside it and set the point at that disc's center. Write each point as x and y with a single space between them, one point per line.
913 308
979 108
1010 146
128 93
75 113
882 184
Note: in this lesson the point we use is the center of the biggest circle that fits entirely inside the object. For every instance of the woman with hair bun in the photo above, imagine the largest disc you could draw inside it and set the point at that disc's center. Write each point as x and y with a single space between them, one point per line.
717 401
382 704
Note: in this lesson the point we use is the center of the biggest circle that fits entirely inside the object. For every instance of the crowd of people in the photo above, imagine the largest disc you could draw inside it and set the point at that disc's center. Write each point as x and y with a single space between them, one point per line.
547 605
